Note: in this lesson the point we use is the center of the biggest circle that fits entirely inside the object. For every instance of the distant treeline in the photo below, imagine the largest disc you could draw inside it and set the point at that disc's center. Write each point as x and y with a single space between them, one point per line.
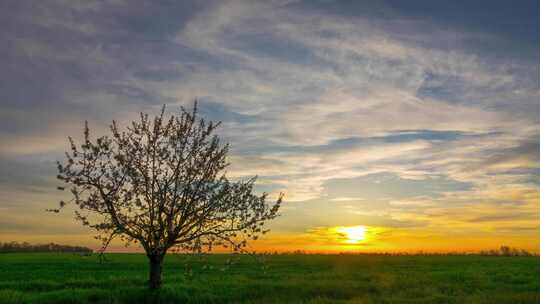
51 247
506 251
502 251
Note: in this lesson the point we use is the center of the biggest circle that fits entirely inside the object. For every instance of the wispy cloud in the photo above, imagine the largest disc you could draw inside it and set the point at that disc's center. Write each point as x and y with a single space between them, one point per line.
311 96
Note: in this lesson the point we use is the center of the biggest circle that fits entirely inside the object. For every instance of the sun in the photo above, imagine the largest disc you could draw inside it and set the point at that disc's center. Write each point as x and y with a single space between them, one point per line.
353 234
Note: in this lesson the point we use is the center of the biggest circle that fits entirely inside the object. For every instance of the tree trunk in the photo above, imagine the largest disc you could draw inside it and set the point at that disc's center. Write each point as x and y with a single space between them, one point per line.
156 262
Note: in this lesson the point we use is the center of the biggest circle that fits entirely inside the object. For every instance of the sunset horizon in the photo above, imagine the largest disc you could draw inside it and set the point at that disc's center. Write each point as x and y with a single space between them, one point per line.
270 151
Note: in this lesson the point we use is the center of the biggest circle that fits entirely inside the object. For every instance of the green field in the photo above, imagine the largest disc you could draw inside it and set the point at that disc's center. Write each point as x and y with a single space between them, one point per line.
69 278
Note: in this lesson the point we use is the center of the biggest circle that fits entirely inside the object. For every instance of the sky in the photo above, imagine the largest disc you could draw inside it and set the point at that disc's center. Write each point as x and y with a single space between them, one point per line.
417 121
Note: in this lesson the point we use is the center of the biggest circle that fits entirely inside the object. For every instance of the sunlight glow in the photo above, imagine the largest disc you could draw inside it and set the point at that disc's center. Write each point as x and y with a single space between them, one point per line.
353 234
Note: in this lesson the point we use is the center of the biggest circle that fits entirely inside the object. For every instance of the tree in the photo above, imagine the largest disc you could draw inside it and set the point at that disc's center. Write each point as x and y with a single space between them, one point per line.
161 183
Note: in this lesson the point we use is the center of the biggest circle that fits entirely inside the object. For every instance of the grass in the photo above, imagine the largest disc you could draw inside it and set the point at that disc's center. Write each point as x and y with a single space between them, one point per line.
69 278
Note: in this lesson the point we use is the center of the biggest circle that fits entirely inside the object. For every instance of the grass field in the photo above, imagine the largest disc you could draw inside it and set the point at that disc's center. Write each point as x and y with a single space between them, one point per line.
68 278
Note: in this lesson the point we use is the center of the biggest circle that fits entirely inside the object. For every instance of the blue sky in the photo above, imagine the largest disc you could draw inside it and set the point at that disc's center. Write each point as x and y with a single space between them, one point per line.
411 116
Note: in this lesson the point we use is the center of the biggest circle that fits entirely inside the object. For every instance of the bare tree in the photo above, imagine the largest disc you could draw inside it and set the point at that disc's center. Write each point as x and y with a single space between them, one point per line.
161 183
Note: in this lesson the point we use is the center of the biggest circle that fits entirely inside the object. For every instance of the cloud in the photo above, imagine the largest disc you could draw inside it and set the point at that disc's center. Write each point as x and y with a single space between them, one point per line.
504 217
318 100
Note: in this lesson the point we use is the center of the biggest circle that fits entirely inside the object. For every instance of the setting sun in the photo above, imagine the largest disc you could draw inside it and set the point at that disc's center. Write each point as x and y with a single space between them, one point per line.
354 234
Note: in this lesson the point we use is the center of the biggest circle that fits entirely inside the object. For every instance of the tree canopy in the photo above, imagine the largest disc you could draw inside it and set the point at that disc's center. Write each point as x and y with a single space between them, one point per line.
161 183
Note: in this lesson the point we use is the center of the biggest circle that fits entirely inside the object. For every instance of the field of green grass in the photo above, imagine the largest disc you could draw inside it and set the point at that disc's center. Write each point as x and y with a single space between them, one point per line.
69 278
